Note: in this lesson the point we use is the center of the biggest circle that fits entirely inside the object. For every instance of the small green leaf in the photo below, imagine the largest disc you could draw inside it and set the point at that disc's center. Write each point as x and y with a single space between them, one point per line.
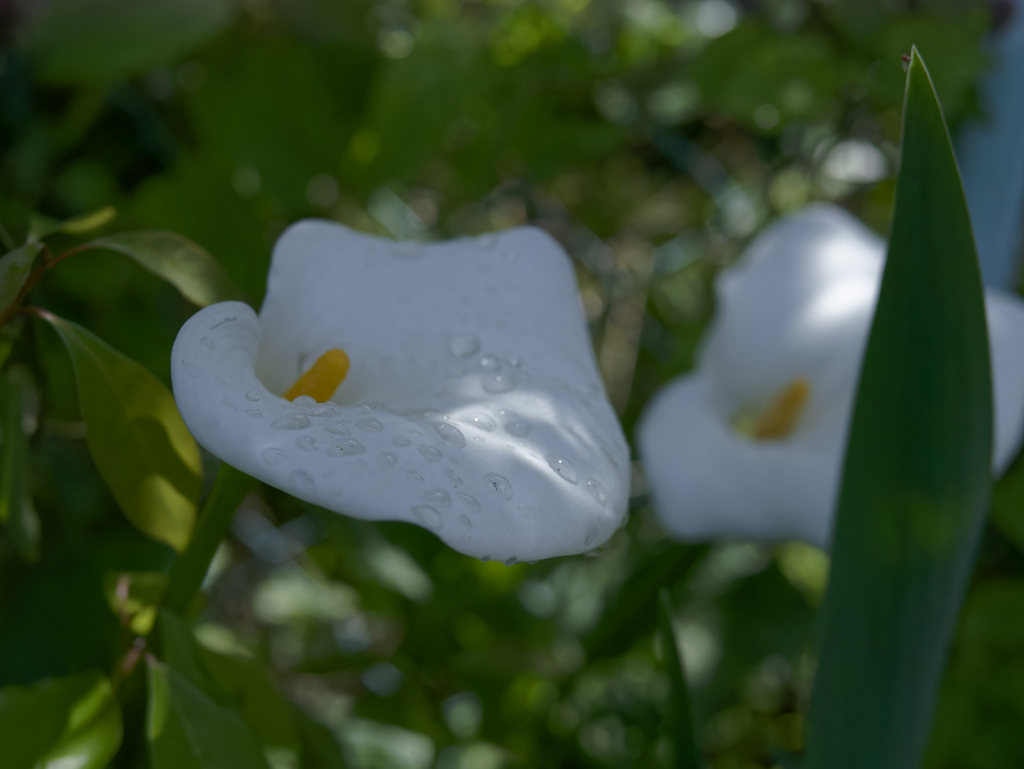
241 685
136 436
134 597
16 508
182 263
916 483
93 41
679 721
185 728
43 226
60 722
15 268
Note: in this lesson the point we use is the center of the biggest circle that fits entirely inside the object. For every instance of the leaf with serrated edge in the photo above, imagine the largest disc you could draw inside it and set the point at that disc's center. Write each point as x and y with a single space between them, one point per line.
138 441
916 482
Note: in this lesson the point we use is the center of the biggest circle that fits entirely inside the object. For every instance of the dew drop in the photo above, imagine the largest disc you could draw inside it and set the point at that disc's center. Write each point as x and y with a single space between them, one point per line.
518 427
337 428
498 383
490 363
304 400
515 362
400 441
273 456
430 453
430 516
499 485
254 413
252 395
597 491
438 497
191 370
563 467
455 480
220 382
413 476
470 502
464 520
324 410
450 434
483 422
303 481
368 425
591 538
348 448
306 443
464 346
291 422
208 343
386 459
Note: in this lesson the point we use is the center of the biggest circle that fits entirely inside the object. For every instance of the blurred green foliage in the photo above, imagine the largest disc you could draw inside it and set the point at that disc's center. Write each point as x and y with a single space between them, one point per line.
652 138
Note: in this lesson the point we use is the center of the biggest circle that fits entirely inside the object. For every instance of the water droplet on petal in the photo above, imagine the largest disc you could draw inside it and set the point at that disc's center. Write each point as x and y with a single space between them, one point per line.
254 413
518 427
220 382
430 516
483 422
303 481
597 491
413 476
348 448
470 502
324 410
498 383
306 443
464 520
273 456
337 428
208 343
455 480
291 422
369 425
252 395
450 434
304 400
563 467
490 363
591 538
438 497
386 459
191 370
499 485
515 362
400 441
430 453
464 346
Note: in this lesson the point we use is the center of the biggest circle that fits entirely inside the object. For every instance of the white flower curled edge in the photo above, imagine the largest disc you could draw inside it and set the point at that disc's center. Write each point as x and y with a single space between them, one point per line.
473 406
785 347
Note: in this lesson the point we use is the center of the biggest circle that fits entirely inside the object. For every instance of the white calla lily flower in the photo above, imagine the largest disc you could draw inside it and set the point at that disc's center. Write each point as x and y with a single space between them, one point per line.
751 444
496 434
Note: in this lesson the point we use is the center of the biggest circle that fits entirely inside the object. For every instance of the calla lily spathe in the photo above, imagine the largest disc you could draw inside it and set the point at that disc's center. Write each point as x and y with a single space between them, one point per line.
473 406
797 308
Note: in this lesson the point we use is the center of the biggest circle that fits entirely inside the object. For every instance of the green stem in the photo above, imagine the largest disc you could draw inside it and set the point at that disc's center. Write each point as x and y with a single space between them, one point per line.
187 573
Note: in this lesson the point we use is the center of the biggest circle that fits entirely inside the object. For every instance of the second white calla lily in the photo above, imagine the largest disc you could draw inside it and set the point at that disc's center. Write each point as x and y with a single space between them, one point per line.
750 445
473 406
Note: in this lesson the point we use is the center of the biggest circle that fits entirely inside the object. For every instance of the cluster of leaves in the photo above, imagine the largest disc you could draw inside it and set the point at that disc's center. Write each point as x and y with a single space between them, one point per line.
652 138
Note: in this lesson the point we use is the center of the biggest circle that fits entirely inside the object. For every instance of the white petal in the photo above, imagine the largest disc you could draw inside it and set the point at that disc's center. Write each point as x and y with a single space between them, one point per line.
798 305
477 348
708 483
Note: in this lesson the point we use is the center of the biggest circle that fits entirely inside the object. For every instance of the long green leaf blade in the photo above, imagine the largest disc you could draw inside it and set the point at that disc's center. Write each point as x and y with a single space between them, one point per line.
136 436
184 264
60 722
917 481
680 725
